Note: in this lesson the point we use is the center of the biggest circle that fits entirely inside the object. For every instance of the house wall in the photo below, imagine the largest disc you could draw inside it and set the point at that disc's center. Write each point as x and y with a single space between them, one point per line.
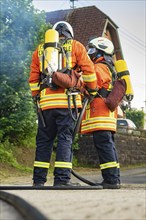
107 34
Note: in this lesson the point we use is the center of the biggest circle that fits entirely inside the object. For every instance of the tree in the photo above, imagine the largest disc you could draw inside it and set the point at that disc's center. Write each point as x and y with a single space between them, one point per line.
136 116
22 29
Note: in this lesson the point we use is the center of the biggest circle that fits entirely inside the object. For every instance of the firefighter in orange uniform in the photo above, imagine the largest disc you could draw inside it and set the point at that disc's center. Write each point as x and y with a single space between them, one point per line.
53 101
98 119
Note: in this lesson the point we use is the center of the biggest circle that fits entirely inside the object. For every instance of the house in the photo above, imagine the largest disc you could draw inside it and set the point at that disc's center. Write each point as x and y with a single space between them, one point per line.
88 22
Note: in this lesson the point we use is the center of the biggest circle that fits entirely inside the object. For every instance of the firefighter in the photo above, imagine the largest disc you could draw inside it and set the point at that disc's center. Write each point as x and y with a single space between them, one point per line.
98 118
53 102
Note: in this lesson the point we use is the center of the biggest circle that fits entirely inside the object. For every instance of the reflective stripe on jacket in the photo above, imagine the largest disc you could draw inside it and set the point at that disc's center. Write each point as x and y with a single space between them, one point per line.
57 98
97 115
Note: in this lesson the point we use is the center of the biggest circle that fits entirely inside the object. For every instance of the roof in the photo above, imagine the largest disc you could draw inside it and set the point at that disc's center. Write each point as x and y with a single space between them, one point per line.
87 22
83 20
55 16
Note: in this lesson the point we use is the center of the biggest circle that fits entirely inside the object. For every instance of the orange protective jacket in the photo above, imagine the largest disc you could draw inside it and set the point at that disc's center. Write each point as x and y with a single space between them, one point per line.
97 115
58 98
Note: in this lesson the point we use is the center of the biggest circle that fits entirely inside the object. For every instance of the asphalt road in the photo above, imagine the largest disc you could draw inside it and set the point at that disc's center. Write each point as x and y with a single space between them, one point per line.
128 176
134 176
127 203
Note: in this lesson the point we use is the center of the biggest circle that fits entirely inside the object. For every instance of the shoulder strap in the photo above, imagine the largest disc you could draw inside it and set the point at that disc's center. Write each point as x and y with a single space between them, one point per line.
111 68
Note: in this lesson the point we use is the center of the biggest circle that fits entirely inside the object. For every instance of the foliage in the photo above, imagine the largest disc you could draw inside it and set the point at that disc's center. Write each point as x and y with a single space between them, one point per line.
22 29
137 117
75 144
7 156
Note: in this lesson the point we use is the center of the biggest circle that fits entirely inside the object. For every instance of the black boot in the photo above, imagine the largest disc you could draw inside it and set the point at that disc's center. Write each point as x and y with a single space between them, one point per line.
38 184
110 185
68 184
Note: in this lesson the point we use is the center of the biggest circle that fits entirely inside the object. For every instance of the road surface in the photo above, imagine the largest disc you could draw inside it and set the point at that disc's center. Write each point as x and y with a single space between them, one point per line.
127 203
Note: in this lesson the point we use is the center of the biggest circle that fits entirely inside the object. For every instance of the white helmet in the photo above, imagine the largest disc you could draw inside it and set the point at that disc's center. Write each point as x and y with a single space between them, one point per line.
102 44
64 28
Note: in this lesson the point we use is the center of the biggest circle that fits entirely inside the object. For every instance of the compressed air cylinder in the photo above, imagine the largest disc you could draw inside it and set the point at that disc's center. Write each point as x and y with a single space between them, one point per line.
51 51
123 73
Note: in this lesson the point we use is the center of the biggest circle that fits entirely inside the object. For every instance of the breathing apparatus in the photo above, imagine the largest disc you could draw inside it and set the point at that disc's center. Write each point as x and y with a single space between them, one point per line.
121 87
94 53
66 36
57 61
103 47
65 39
51 50
123 73
56 52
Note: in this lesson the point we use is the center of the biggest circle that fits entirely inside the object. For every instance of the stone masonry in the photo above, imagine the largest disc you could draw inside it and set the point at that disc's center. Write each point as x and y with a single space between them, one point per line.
131 150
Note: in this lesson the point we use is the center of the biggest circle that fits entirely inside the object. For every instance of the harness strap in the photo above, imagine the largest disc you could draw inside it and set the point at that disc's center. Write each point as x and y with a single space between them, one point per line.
52 44
124 73
111 69
102 93
73 94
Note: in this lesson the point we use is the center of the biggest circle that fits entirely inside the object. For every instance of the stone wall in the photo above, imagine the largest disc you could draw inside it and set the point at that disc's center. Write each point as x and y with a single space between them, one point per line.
131 150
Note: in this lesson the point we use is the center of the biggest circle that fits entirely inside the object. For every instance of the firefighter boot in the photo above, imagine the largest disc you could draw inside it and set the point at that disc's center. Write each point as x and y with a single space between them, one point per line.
110 186
38 184
68 184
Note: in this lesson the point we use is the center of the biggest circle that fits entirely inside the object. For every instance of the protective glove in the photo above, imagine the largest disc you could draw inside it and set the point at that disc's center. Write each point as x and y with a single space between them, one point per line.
90 95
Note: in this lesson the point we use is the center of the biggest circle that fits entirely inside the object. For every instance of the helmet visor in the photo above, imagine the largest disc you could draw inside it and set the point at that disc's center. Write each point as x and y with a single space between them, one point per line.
92 51
63 30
